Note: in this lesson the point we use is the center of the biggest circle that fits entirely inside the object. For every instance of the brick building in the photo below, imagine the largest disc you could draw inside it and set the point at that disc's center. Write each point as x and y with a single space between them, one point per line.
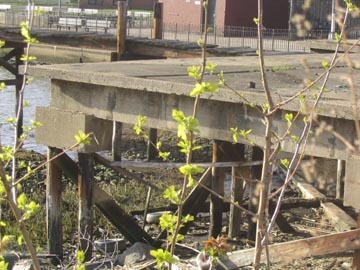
227 12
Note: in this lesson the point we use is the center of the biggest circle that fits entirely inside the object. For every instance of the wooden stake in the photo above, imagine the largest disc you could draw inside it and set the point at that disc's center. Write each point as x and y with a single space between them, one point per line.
217 185
237 191
158 21
116 141
86 187
53 209
151 149
121 29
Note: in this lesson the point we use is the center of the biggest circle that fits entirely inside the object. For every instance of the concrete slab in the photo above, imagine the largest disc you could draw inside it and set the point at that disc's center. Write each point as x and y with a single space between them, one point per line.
59 127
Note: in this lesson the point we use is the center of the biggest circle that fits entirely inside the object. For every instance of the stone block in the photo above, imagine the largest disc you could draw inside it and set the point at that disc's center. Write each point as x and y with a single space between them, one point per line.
59 127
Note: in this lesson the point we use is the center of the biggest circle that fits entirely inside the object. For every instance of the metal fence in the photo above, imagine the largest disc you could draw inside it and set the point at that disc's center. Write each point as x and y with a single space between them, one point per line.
140 25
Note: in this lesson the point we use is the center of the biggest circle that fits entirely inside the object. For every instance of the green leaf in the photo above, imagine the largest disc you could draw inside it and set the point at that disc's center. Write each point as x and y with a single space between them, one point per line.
2 86
289 118
164 155
2 43
3 265
162 256
295 138
325 64
187 218
189 169
194 72
171 194
22 200
82 138
338 37
20 240
80 256
178 116
285 162
200 42
210 67
256 20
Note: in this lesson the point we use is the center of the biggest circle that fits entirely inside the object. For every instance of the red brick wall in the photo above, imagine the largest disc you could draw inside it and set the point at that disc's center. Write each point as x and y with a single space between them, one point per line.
183 12
242 13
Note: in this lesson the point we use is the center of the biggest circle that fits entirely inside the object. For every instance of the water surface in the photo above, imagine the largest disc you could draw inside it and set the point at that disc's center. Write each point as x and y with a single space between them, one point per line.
37 93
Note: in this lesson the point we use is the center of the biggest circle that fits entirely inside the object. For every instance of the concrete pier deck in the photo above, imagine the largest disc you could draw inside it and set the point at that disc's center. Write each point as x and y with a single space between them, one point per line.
120 91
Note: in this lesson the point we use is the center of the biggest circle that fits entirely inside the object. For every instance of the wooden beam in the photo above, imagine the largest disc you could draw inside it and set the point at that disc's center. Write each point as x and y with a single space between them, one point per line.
338 218
53 209
146 164
86 204
116 215
299 249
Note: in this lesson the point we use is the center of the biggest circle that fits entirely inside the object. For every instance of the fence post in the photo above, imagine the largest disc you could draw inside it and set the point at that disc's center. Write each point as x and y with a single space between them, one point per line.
215 35
229 35
288 47
243 37
176 29
188 32
273 39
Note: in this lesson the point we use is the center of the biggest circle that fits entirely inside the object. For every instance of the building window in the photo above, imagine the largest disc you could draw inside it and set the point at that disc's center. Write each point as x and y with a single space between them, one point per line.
95 2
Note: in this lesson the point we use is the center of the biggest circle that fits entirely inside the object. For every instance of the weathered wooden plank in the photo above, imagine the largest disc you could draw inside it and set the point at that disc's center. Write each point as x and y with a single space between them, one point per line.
299 249
237 191
338 218
116 215
308 191
146 164
53 208
86 204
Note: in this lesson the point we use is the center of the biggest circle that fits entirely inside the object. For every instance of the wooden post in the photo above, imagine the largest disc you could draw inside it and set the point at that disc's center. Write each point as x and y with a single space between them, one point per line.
151 147
158 21
53 208
339 177
237 191
121 29
116 141
217 185
86 185
254 194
